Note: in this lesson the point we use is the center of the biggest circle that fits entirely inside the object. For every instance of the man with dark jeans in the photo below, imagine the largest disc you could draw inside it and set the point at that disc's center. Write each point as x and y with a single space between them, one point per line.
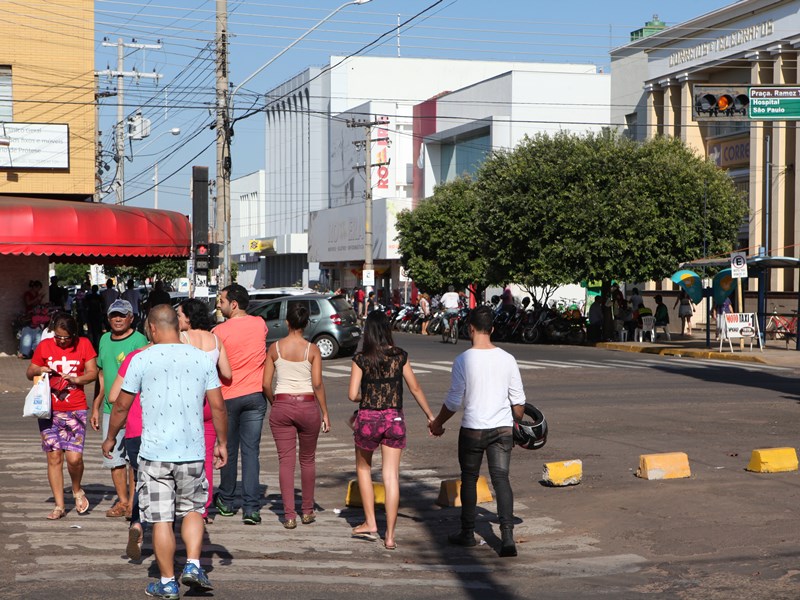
245 340
487 384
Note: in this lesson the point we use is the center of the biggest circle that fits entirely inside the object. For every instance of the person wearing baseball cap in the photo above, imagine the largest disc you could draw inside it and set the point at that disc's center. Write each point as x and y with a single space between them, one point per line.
114 347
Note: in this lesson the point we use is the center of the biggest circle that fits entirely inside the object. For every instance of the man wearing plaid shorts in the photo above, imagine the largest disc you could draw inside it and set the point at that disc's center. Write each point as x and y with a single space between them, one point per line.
172 379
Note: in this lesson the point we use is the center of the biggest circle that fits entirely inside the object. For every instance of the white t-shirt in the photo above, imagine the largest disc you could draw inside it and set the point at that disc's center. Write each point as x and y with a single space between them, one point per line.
485 383
450 300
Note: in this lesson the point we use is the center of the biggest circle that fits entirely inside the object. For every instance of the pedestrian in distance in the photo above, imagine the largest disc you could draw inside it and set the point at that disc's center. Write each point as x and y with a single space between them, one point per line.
376 383
685 312
486 384
110 294
298 409
596 318
70 361
195 326
115 345
245 339
172 379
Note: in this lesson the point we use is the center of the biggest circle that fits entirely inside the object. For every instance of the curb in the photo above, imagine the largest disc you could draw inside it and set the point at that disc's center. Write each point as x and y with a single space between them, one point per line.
673 351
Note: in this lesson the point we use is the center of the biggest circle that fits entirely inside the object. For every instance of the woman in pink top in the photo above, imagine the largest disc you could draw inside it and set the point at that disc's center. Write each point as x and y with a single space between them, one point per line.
297 400
195 324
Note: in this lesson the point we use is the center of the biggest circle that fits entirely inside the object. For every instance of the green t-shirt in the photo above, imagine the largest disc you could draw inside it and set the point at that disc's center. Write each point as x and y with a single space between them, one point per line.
110 357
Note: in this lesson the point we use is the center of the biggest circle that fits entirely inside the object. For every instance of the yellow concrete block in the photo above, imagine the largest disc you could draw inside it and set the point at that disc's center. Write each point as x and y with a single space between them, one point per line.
354 494
773 460
566 472
450 492
668 465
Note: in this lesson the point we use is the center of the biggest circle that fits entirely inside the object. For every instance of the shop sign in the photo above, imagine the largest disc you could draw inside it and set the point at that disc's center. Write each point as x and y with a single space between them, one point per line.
733 152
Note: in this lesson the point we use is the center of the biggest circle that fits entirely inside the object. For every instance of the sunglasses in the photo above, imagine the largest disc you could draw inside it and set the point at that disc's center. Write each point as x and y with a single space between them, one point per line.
63 338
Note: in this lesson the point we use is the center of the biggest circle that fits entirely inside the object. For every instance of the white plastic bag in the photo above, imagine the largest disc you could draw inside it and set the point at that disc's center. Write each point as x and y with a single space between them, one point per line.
37 402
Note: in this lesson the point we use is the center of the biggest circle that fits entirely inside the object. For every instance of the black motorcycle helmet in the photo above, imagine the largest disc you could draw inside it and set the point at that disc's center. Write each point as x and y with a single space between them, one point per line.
531 432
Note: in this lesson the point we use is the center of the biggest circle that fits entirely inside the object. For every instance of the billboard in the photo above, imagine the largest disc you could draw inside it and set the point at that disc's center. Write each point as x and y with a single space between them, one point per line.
34 146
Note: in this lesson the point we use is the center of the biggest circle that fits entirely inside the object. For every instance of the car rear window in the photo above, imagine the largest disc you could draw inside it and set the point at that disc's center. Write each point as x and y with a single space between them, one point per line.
311 305
341 305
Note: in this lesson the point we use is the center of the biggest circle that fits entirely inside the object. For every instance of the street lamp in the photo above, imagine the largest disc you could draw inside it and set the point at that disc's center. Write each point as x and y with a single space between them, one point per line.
223 146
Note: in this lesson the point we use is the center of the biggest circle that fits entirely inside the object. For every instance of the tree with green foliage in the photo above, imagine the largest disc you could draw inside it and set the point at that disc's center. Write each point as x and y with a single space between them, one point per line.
71 274
567 208
440 240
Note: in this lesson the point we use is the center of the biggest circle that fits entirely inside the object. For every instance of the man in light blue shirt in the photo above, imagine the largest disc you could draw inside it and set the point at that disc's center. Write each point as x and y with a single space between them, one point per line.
172 379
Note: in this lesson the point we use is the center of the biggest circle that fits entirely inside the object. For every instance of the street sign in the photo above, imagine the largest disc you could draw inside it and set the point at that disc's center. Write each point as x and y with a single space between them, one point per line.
739 265
404 275
774 103
368 277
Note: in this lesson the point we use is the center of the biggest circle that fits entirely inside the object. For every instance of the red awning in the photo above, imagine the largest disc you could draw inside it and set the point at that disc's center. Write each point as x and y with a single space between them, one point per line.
90 230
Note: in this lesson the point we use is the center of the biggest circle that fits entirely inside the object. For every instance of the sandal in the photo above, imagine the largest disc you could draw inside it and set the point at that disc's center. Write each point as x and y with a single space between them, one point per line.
370 536
56 514
390 546
81 502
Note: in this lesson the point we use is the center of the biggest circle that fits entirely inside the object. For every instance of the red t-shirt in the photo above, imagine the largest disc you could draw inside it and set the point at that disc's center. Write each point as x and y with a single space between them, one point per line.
133 425
65 361
245 340
358 296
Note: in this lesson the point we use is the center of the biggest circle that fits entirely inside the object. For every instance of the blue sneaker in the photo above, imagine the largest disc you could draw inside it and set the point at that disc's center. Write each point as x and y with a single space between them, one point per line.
195 578
163 590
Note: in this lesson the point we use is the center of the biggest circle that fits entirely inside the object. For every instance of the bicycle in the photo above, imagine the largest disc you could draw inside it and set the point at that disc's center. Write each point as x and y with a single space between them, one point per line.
781 325
450 333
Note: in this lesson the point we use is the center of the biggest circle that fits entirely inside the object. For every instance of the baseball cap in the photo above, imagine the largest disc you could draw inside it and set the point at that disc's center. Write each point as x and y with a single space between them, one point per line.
120 306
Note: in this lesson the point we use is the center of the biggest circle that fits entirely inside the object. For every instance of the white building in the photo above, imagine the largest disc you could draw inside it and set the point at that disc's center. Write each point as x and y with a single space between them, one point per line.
309 148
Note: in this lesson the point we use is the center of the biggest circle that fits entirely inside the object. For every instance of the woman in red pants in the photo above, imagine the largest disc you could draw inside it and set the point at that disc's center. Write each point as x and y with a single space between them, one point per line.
296 403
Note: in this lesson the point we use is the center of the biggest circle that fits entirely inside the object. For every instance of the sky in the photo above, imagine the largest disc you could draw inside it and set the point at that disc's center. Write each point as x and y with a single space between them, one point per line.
579 31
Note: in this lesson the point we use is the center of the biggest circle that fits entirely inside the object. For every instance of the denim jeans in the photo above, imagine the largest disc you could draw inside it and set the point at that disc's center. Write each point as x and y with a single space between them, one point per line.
132 446
28 340
497 444
245 419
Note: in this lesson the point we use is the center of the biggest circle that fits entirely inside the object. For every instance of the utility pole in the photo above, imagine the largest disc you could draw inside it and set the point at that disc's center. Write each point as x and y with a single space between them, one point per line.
222 230
368 165
119 130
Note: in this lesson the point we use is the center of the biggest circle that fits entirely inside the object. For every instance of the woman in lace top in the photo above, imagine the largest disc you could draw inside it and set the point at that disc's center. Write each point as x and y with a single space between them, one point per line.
376 383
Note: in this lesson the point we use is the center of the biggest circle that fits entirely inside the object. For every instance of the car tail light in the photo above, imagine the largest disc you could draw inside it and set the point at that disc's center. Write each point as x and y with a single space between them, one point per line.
337 319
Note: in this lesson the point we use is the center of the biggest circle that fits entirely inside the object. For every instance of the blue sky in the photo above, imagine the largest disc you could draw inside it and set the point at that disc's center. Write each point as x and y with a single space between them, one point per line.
577 31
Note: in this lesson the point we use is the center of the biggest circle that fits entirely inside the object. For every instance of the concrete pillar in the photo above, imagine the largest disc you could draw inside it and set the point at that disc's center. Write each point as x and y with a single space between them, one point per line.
655 112
690 131
777 181
670 116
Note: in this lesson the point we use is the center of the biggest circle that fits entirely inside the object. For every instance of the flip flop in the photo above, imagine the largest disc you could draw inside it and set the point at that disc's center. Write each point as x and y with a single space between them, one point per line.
370 536
390 546
81 502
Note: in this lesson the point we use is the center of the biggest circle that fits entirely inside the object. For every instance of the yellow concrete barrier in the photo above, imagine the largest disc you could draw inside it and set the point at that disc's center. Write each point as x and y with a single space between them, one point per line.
773 460
354 494
669 465
566 472
450 492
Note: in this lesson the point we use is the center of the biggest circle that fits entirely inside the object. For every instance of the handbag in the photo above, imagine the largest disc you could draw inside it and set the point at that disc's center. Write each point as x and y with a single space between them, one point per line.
37 402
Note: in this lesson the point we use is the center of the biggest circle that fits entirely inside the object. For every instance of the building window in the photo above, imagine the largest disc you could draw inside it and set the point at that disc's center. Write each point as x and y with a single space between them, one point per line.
5 94
632 126
464 156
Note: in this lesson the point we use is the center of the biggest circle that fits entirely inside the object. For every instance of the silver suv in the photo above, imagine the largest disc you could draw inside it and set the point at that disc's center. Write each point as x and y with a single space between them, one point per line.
332 323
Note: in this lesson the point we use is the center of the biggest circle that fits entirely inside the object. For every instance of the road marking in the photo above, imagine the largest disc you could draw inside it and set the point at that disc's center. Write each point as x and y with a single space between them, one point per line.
433 366
592 365
624 365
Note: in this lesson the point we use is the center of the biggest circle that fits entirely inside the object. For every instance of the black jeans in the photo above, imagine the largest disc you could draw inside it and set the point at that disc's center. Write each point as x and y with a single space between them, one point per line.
497 444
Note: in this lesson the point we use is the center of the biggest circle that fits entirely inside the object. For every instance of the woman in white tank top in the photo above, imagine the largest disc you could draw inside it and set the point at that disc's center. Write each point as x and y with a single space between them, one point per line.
297 401
195 324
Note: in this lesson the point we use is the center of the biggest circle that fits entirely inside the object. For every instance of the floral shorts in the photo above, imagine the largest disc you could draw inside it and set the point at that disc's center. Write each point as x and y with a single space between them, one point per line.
375 427
64 431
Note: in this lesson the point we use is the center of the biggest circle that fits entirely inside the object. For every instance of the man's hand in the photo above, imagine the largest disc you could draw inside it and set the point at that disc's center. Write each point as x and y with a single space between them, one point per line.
108 446
95 419
220 455
435 427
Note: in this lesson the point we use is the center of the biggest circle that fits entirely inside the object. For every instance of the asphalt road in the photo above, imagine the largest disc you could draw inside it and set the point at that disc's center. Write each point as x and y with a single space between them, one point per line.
723 533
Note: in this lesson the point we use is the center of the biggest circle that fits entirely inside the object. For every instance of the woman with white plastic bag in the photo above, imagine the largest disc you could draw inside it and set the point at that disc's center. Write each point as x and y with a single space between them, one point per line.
37 402
70 363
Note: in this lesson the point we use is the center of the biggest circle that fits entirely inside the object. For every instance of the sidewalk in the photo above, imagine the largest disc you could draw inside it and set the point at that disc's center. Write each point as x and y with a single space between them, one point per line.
12 374
775 352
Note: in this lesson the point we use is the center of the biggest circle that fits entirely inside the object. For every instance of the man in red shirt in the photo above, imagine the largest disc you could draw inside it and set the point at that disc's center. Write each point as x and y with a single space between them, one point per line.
245 339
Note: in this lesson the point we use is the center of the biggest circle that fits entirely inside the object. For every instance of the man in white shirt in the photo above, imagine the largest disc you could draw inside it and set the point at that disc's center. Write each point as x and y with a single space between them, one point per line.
486 383
451 302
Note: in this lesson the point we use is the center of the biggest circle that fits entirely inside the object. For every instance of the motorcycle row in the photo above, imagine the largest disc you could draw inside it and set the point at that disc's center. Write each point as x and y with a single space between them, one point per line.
527 324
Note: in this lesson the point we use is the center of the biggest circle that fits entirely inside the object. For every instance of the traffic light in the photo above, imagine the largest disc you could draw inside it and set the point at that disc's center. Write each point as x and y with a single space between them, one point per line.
715 102
214 251
201 260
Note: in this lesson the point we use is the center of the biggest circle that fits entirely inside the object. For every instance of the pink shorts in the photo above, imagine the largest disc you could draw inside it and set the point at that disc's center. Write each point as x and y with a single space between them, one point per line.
64 431
375 427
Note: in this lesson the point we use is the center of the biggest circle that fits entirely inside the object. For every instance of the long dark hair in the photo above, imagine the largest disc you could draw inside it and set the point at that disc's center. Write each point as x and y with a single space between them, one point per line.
377 338
196 311
67 322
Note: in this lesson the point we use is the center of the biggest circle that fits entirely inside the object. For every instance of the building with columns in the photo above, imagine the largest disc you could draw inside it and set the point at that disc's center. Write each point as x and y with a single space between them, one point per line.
749 43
